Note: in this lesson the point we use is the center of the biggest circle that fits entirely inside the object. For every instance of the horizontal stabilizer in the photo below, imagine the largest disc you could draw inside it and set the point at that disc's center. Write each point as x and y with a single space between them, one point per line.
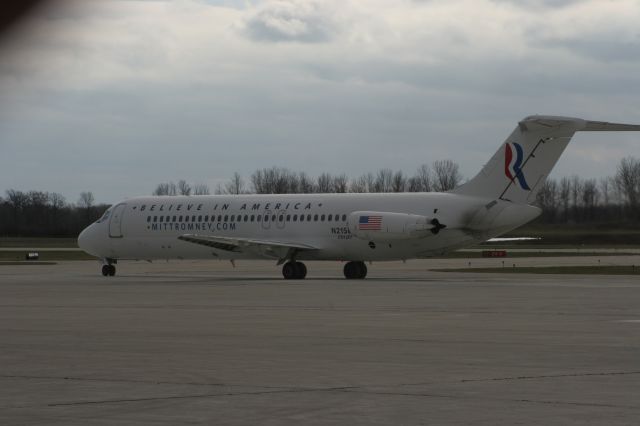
541 123
603 126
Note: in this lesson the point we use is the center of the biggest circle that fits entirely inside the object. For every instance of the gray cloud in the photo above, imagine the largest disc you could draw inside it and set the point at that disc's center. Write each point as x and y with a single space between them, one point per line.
291 21
541 3
599 49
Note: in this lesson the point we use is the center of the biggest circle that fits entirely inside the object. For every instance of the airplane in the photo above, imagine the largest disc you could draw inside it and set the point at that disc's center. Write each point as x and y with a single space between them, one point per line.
353 228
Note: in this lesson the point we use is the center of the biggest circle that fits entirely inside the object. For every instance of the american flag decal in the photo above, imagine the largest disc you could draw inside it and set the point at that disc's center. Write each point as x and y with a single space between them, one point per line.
370 223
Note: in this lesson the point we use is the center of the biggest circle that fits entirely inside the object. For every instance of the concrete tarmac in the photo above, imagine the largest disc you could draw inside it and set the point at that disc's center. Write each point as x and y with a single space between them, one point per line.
203 343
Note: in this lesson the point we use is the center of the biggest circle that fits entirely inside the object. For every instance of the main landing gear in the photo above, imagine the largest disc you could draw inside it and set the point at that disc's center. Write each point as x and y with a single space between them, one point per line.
298 271
355 270
294 271
109 269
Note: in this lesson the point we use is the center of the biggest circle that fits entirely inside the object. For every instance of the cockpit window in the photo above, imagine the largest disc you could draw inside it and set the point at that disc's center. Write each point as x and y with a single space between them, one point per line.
105 216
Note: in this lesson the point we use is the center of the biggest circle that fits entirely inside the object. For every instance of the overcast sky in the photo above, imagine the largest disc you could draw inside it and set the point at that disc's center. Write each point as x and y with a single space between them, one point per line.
116 96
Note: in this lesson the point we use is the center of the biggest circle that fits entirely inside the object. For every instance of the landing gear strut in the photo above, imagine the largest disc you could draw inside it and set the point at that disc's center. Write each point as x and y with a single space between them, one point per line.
294 271
355 270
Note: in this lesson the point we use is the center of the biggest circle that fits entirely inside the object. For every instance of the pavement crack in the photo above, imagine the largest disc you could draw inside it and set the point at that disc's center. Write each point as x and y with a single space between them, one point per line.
473 397
105 380
552 376
203 395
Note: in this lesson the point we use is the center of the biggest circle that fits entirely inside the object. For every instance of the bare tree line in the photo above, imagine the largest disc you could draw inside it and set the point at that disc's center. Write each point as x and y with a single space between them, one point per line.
442 175
39 213
574 199
181 188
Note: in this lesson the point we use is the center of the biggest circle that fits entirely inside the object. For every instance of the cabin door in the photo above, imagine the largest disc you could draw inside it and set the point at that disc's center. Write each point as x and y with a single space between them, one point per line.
115 222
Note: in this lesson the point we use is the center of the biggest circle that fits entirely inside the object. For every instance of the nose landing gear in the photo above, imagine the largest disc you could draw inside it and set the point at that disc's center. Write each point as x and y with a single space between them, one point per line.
109 269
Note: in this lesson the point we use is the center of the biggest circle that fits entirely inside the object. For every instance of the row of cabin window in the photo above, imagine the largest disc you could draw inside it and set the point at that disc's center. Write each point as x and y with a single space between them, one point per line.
250 218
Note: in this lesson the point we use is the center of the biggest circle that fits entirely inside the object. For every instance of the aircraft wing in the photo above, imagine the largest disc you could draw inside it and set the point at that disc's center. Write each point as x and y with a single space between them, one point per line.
268 248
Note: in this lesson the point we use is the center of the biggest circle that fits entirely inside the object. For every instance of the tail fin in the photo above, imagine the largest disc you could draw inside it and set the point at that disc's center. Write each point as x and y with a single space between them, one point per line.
518 169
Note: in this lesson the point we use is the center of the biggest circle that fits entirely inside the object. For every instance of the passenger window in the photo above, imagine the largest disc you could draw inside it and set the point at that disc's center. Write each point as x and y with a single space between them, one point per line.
206 218
266 218
180 219
280 218
308 218
315 218
329 218
174 218
200 218
161 219
273 218
155 218
295 217
219 218
253 217
226 218
186 218
301 218
259 218
233 217
337 217
288 218
344 217
193 218
246 218
148 218
322 218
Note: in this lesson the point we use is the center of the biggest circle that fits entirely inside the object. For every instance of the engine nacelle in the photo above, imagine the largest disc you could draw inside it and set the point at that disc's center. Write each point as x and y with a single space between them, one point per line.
386 226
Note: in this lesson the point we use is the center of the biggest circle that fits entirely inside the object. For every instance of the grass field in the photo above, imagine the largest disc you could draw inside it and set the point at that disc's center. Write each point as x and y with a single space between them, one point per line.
7 242
580 234
19 255
584 270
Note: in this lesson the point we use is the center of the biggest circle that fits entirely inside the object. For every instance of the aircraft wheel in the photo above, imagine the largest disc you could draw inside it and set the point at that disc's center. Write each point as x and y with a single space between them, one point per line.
294 271
289 271
301 270
355 270
108 270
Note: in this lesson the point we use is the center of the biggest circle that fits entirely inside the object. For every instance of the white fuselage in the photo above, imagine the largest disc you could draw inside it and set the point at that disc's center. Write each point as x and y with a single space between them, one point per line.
149 227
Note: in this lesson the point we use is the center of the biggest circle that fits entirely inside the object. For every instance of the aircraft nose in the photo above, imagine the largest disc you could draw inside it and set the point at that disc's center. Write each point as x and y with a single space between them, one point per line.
87 240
